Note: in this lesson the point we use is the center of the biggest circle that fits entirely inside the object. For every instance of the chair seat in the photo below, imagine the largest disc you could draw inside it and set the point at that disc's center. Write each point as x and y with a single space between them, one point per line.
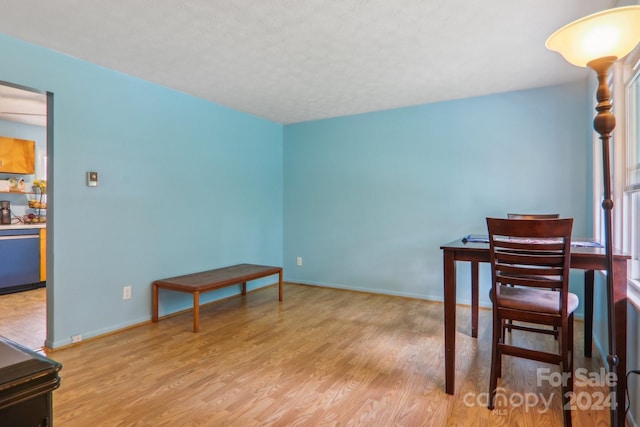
531 299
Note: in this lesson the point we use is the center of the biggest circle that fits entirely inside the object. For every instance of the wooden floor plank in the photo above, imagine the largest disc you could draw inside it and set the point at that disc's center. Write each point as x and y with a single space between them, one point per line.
323 357
23 317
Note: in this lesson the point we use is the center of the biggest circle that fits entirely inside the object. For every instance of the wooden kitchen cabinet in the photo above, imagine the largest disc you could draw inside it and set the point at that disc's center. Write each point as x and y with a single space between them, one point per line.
17 155
43 254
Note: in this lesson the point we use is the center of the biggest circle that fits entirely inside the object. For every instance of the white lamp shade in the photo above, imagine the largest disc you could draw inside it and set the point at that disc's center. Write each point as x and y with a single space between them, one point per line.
612 32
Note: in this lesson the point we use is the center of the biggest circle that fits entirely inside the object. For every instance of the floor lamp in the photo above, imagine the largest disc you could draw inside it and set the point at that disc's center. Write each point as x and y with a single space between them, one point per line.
597 41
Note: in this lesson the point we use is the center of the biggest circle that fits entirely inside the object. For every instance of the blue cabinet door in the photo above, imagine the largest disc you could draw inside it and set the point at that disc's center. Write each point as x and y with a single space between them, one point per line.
19 260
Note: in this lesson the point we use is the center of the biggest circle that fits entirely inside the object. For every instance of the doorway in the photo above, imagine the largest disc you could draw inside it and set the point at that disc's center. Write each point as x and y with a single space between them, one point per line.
26 113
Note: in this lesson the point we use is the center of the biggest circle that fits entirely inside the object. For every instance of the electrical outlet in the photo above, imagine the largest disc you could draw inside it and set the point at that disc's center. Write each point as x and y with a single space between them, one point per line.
76 338
126 292
299 261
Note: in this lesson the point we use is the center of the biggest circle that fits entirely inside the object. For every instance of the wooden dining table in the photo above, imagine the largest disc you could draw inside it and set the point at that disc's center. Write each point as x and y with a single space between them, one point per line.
586 258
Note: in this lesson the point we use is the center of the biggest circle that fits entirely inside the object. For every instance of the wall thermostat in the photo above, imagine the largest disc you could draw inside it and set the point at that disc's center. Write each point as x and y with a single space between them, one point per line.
92 179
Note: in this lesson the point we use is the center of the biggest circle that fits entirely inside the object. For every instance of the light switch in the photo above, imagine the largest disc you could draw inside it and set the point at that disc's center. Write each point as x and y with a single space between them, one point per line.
92 179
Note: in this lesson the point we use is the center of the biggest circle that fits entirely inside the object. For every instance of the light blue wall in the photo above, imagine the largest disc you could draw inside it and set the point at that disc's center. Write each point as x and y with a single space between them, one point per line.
185 185
370 198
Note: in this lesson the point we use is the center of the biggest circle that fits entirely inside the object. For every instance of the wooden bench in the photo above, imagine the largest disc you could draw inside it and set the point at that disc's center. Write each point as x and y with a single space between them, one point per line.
211 280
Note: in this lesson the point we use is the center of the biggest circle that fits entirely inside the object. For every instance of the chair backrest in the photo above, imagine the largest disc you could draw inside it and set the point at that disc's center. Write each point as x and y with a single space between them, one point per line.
531 252
532 216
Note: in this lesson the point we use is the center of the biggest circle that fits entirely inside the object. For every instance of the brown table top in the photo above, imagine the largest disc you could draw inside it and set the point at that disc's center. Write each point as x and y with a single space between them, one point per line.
219 277
461 243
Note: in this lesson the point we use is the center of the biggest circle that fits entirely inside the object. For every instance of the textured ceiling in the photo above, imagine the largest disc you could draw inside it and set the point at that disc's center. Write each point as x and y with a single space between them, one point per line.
23 106
291 61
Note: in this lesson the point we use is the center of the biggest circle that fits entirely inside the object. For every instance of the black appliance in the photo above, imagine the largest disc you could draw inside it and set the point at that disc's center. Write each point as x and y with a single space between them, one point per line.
5 212
27 380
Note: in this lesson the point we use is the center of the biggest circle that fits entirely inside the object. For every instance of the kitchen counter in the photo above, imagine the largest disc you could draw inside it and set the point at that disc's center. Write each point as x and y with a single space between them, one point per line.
22 226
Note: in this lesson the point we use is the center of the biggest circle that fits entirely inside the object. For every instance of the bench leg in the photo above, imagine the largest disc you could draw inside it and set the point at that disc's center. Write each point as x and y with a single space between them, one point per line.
154 316
196 311
280 285
244 288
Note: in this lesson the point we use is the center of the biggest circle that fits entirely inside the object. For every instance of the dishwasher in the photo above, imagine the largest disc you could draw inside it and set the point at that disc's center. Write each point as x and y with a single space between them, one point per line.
19 260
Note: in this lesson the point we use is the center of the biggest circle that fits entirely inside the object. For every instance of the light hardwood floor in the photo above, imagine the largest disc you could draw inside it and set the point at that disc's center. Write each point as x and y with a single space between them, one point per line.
322 357
23 317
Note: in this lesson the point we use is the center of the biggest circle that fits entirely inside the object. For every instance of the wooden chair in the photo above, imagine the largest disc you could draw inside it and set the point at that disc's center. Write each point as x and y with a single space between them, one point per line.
532 255
508 325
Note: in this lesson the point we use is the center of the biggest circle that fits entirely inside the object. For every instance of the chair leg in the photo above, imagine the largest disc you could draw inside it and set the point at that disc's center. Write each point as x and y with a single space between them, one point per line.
555 328
567 391
499 365
495 359
566 412
500 340
566 342
570 348
506 324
